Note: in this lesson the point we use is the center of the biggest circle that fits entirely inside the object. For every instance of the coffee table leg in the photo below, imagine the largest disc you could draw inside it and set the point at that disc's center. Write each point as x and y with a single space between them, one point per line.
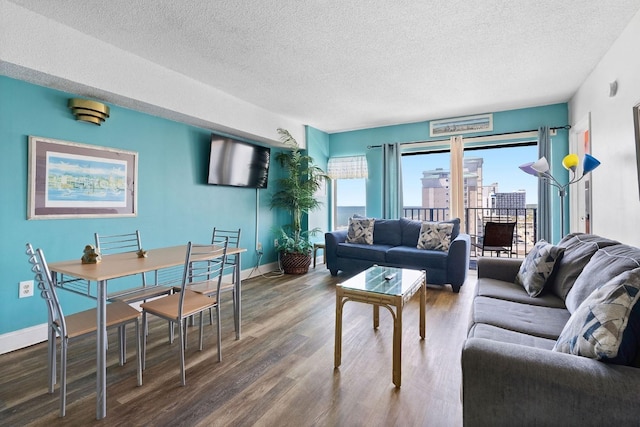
376 316
423 303
337 357
397 345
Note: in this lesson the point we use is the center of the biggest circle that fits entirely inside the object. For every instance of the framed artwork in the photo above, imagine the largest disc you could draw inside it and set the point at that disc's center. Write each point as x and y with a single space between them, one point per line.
72 180
460 125
636 123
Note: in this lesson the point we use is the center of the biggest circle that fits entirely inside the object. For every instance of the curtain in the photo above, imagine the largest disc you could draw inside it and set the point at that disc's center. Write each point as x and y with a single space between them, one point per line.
348 167
544 191
456 181
392 206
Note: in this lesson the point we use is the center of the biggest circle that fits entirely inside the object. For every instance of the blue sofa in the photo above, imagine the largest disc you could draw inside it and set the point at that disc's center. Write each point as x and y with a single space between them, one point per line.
395 245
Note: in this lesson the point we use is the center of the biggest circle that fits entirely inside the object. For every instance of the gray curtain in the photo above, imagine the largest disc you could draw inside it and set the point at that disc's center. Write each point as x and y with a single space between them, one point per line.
544 191
392 181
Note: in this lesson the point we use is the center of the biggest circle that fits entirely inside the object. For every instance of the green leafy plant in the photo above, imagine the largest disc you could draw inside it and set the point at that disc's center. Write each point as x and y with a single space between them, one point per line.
296 194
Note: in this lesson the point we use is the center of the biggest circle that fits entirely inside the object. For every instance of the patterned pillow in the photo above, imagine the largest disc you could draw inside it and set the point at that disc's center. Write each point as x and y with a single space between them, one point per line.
538 266
435 235
360 230
606 326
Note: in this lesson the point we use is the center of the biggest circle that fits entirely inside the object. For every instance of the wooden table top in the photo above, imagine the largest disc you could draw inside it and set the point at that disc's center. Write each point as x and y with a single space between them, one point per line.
127 263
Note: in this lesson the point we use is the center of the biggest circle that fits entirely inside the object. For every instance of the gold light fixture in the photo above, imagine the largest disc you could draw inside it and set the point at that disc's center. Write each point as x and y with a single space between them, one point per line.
89 111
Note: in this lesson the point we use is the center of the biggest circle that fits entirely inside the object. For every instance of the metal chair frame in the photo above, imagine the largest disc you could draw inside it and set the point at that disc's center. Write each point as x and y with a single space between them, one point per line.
497 237
118 315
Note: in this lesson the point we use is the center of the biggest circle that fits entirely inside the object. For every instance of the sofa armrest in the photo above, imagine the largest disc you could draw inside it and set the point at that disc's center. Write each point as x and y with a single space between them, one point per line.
331 240
458 261
507 384
505 269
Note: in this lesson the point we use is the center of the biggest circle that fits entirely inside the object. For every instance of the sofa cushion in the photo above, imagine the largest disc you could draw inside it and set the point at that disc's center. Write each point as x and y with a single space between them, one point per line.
544 322
579 248
387 232
374 253
435 236
411 230
494 333
511 292
604 265
424 259
606 326
360 230
538 266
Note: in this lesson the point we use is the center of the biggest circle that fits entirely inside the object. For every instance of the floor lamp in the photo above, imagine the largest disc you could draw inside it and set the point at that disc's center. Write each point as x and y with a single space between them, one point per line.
540 168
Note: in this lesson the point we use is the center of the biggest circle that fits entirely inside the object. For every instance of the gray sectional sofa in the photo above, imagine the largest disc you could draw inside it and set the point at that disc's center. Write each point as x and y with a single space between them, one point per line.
511 372
395 244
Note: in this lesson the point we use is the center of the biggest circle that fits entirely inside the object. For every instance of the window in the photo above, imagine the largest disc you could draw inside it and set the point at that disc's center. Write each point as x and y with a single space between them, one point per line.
349 188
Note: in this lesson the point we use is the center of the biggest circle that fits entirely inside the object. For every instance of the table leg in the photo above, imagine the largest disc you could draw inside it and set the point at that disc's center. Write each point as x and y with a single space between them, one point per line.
397 345
337 357
101 351
376 316
238 303
423 303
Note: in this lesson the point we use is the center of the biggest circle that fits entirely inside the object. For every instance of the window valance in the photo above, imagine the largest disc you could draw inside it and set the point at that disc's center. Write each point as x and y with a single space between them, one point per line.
348 167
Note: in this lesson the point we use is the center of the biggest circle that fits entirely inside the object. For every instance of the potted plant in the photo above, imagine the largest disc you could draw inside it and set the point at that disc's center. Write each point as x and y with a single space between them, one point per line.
296 194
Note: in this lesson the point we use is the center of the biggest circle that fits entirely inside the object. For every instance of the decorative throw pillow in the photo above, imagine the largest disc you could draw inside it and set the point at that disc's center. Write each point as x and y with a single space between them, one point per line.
435 235
538 266
606 326
360 230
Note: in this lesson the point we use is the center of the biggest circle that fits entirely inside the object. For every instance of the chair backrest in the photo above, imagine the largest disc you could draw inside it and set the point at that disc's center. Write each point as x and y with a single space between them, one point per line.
118 243
44 282
233 237
498 234
203 265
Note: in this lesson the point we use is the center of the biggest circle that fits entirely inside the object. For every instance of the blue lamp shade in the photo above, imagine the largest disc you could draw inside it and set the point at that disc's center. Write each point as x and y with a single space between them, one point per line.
589 163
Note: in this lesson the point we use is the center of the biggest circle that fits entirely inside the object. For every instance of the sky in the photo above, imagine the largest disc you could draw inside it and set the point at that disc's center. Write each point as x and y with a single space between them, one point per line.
500 165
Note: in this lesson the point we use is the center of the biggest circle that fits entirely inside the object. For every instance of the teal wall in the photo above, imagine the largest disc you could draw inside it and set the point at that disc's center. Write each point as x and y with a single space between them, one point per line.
175 204
356 143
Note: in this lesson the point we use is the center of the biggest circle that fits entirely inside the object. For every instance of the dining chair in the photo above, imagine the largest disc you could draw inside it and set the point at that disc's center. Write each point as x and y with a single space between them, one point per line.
230 265
130 242
203 267
76 325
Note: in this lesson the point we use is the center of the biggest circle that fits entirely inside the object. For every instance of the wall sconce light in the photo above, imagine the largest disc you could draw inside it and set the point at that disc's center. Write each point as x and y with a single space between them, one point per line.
89 111
540 168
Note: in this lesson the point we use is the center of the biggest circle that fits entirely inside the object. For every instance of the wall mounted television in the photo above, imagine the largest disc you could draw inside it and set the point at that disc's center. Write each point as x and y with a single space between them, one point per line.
237 163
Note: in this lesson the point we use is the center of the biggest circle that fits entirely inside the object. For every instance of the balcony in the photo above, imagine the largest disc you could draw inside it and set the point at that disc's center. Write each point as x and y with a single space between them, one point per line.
525 234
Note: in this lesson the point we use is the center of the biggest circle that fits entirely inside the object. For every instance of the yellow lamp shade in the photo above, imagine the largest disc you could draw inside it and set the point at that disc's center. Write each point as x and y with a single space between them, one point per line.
570 162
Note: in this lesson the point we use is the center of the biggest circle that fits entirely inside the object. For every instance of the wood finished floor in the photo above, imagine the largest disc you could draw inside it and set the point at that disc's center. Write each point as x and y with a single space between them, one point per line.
280 373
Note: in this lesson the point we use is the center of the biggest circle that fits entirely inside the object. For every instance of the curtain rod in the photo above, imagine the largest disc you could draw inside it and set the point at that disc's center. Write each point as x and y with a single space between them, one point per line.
565 127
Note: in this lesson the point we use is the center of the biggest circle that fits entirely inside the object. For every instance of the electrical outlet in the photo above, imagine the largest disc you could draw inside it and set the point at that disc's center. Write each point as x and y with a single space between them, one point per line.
26 289
275 243
259 247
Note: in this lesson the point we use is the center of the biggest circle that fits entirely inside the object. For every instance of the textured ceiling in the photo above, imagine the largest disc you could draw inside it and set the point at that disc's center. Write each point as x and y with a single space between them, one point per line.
339 65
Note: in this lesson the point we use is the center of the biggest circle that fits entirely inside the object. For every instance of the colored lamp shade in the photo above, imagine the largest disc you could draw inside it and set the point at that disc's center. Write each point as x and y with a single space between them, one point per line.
589 163
528 169
570 162
541 165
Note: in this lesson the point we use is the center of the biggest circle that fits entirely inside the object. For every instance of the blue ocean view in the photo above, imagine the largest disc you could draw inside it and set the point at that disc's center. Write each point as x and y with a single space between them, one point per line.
345 212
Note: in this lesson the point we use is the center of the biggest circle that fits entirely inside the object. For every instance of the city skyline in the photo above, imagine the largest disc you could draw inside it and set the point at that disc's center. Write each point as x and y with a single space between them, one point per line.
500 165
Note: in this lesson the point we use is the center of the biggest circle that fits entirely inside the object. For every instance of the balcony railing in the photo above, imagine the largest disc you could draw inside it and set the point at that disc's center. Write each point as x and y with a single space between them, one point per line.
524 236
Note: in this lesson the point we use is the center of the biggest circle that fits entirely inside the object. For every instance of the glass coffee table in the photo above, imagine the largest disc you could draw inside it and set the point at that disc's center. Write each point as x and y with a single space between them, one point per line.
387 287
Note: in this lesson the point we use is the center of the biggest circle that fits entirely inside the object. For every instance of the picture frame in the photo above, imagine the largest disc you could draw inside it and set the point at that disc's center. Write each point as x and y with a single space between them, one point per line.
461 125
74 180
636 126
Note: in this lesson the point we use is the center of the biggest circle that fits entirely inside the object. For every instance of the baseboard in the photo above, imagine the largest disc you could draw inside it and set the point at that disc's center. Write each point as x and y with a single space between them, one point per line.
23 338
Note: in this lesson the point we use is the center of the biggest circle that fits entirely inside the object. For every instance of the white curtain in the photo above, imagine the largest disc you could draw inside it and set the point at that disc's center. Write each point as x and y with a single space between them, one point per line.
348 167
456 181
544 192
392 206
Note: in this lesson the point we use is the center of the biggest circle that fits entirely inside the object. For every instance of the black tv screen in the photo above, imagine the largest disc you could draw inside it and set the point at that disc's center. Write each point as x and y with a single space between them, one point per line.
238 163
